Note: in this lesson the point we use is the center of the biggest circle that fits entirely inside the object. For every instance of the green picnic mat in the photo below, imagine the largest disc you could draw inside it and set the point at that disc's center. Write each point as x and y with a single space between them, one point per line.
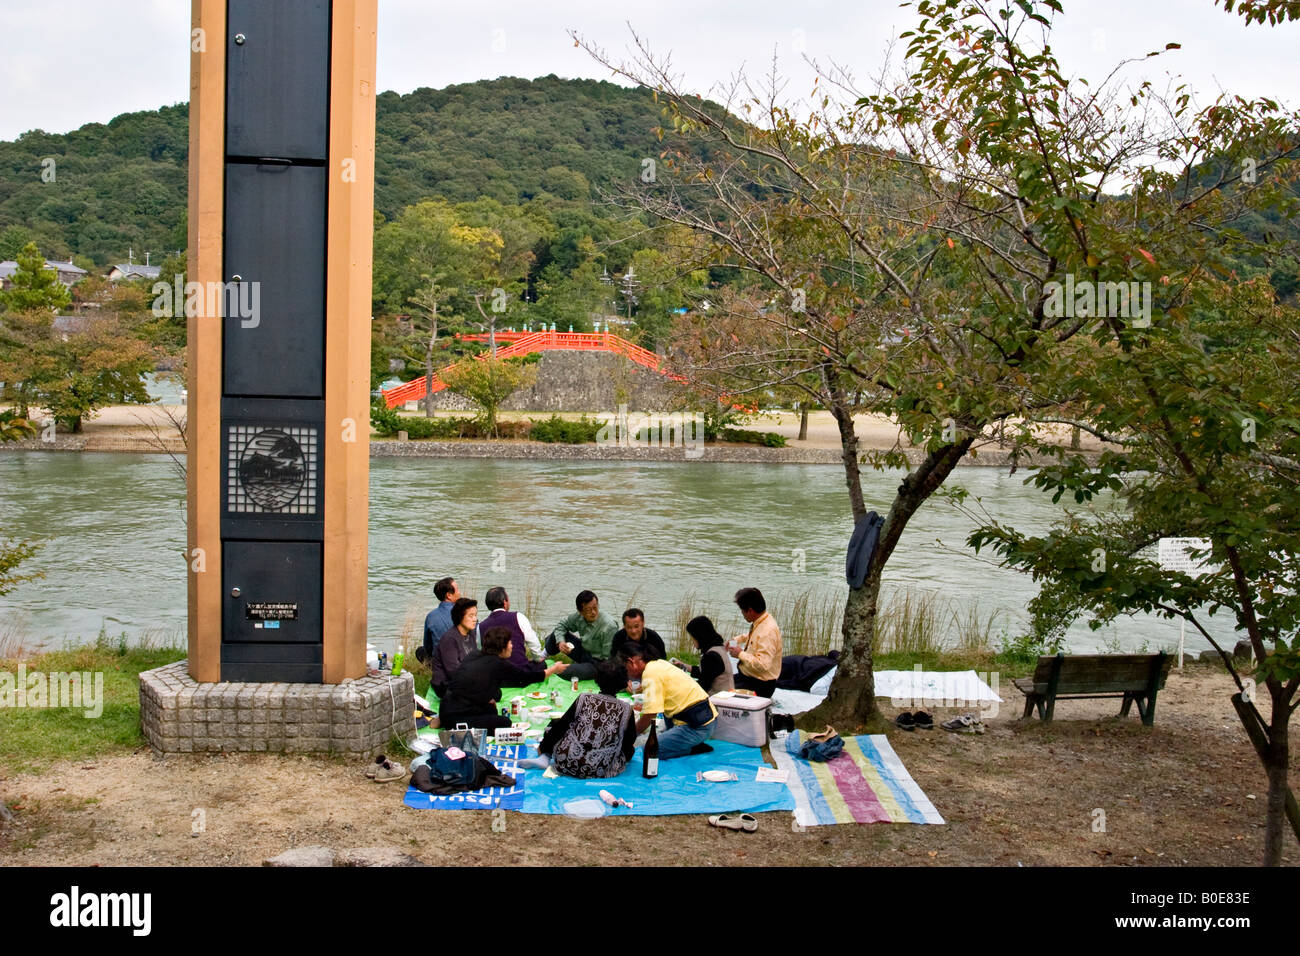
556 682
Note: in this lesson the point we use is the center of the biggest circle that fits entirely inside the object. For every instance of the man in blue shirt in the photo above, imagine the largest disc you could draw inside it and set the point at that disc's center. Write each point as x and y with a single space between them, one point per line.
438 621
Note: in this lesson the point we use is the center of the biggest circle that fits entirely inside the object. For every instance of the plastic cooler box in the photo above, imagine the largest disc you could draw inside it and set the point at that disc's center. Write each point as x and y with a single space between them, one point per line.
741 719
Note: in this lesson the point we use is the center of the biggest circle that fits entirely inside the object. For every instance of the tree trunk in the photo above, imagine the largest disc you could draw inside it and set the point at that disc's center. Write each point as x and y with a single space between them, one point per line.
1074 438
1276 766
1274 754
852 700
851 703
428 364
803 421
849 456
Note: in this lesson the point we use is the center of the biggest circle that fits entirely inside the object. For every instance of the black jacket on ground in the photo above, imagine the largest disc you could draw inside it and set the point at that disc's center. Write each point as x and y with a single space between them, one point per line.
800 673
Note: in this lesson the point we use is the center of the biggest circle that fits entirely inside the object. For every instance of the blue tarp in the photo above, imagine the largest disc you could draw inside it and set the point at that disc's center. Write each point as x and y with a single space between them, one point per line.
674 791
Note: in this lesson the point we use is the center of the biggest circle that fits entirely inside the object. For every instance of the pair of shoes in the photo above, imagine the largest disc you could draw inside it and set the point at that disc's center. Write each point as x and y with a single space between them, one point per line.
910 721
778 722
386 771
735 821
964 724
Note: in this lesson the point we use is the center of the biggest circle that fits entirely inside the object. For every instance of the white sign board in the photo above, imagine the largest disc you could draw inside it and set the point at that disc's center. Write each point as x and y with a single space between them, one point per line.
1176 555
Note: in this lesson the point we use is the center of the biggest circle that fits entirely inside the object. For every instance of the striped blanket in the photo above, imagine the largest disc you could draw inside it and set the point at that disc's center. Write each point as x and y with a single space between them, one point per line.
866 783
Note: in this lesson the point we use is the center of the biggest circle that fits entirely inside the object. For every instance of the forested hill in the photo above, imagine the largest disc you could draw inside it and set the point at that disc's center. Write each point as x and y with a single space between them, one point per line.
102 188
510 140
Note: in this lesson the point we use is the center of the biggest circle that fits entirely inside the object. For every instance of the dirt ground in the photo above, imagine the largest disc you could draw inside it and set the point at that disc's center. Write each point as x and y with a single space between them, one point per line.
1188 791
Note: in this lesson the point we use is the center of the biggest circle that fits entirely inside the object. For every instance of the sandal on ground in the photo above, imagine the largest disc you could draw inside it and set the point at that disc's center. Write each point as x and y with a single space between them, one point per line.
734 821
905 721
922 720
388 771
374 767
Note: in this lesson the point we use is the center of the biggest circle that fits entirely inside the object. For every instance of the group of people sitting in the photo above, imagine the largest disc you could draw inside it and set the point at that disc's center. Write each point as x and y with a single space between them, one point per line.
473 660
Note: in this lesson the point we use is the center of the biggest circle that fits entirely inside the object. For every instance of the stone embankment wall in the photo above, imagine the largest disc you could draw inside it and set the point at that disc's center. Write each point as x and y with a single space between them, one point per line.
582 381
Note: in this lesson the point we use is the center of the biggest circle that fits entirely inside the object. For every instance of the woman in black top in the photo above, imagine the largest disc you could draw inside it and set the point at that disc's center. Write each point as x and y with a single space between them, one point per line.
714 670
476 687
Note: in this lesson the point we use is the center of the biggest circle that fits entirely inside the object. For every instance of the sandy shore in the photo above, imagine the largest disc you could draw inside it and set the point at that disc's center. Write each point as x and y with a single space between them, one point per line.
150 429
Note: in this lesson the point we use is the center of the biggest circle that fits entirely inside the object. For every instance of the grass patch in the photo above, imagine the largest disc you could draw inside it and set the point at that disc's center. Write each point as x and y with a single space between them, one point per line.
35 737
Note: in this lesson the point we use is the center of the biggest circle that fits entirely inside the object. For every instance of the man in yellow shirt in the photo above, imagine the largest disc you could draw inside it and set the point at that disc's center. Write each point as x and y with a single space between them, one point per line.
690 714
759 652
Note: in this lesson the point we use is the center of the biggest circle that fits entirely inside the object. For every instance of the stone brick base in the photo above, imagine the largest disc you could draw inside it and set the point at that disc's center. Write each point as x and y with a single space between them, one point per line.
180 715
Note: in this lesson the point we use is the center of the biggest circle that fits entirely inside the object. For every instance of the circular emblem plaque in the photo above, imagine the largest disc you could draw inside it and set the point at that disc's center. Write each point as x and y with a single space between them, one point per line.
272 469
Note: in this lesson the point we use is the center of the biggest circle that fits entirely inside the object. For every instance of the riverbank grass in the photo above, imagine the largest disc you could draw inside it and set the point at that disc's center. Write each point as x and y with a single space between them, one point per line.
35 737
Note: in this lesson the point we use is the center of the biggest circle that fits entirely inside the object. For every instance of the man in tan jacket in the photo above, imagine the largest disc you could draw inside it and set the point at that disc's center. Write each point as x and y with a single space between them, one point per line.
758 653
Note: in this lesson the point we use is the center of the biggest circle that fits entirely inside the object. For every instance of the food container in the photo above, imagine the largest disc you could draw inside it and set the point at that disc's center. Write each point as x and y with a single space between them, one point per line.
741 719
513 734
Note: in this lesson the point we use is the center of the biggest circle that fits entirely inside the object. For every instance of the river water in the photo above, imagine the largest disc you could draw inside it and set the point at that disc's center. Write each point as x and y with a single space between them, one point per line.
659 534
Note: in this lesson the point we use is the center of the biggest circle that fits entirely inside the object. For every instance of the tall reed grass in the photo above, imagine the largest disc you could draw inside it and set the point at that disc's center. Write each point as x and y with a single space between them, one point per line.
910 621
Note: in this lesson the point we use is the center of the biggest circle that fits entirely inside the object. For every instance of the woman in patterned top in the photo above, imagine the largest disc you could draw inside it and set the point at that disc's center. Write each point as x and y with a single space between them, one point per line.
596 737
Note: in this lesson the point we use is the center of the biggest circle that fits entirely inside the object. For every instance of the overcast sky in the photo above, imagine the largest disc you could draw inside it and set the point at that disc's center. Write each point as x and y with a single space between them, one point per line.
69 62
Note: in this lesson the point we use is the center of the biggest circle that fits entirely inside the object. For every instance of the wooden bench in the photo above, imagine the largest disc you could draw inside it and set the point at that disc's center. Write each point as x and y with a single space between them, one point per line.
1135 677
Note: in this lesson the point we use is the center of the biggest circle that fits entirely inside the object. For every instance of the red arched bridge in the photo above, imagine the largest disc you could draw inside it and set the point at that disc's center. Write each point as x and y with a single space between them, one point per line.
522 343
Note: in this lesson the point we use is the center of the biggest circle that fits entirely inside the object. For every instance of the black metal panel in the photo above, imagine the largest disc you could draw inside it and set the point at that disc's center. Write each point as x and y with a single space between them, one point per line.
275 223
277 78
273 468
279 588
289 663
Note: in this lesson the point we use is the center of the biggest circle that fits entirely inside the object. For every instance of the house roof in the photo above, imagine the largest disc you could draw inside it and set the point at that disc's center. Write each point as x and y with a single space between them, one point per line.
9 267
135 269
71 323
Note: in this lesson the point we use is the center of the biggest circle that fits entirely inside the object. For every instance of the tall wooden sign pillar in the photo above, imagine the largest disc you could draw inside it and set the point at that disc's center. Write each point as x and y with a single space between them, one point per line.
281 199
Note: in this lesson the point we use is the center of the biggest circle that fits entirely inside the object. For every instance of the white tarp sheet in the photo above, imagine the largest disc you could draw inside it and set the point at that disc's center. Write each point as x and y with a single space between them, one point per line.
904 688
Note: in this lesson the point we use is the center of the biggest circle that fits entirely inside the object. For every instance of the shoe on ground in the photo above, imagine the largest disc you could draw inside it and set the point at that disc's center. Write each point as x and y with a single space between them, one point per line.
378 762
735 821
922 721
964 724
388 771
905 721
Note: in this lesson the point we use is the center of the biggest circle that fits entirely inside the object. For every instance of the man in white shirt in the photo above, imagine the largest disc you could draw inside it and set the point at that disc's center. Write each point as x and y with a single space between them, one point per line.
525 643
